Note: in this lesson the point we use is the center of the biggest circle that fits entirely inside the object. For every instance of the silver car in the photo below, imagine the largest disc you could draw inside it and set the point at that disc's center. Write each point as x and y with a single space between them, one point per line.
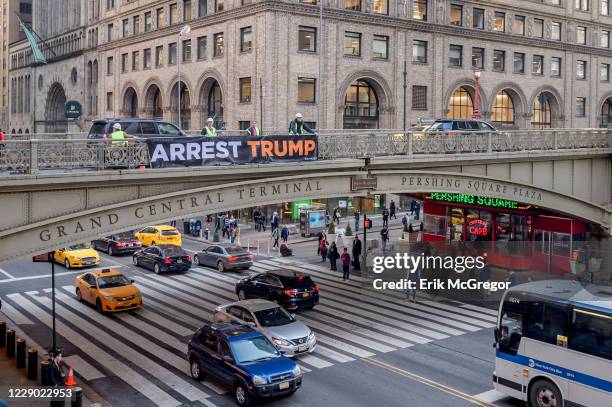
290 336
224 256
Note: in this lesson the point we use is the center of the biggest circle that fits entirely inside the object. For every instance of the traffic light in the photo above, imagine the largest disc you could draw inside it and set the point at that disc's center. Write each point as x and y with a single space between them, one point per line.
367 223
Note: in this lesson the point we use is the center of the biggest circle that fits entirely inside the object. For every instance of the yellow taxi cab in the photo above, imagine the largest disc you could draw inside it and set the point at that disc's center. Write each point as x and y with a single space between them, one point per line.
78 255
108 290
162 234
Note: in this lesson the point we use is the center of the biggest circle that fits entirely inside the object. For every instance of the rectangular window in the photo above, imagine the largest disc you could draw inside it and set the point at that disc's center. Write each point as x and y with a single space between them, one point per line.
518 25
582 5
605 7
455 57
478 57
456 14
307 39
161 17
219 6
352 44
519 62
478 18
555 66
380 47
245 90
219 45
186 50
354 5
555 32
146 58
604 39
499 60
604 72
581 69
306 90
172 53
148 21
136 24
110 4
545 322
109 65
589 331
124 63
419 51
246 39
202 47
135 60
109 32
186 10
419 10
125 27
499 22
581 35
538 28
580 107
159 56
173 13
537 65
381 6
419 97
109 101
202 8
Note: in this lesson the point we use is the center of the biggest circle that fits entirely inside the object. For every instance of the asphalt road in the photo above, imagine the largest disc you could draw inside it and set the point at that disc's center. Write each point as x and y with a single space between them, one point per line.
372 351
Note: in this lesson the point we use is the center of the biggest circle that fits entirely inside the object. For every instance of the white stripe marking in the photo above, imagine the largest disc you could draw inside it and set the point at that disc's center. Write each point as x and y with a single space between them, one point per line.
6 274
314 361
349 336
480 309
82 368
173 302
164 309
14 315
343 346
332 354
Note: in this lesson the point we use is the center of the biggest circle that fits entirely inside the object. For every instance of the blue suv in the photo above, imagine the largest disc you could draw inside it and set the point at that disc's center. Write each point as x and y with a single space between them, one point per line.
244 359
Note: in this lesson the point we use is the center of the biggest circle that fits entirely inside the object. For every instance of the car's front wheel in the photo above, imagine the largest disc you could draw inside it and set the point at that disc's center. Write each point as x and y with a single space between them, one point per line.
66 263
242 295
111 250
195 369
241 395
79 295
99 306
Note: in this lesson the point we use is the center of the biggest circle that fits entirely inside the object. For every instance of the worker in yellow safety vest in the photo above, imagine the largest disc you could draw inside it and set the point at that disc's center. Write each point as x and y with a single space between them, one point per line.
118 136
253 130
209 130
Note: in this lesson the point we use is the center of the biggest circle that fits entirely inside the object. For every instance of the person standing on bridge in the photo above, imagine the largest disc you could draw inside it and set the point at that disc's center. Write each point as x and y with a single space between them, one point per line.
253 130
209 130
118 136
298 127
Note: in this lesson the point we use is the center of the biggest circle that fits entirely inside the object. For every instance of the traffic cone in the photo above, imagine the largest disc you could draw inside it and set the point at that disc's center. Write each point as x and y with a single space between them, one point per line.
70 381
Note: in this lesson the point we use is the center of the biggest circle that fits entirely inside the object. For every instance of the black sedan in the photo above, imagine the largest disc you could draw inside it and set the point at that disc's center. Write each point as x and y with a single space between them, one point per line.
224 256
165 257
290 289
120 243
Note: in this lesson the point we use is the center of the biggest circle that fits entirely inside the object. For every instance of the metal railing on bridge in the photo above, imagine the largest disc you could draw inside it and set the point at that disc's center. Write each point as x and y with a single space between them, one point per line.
57 154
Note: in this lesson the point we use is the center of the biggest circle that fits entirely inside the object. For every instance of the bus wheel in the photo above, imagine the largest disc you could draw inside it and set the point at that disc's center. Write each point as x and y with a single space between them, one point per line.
545 394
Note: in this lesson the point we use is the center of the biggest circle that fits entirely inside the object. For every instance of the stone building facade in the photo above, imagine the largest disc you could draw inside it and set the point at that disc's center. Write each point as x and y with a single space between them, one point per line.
542 64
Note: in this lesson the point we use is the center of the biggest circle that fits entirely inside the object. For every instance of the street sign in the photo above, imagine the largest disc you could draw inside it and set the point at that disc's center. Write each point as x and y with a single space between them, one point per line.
73 109
363 183
43 258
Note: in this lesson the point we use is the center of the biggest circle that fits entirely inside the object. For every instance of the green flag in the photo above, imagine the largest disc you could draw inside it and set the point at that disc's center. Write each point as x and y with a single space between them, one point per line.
38 55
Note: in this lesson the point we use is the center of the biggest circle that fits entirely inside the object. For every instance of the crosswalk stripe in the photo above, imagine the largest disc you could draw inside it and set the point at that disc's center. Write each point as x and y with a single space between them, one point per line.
135 322
82 367
207 305
314 361
264 265
456 309
165 375
332 354
165 322
120 369
182 305
209 291
258 269
164 309
14 315
320 269
304 368
343 346
204 271
480 309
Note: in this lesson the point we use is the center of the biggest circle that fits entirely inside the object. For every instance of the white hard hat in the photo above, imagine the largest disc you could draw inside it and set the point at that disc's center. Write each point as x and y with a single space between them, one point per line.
117 126
299 116
209 120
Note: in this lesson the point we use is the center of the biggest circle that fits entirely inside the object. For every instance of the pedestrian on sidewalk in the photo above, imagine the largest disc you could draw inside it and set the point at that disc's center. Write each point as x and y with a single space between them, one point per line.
414 276
485 275
385 215
384 237
356 253
337 215
356 215
285 233
346 264
256 219
275 236
333 256
321 237
275 220
324 250
392 209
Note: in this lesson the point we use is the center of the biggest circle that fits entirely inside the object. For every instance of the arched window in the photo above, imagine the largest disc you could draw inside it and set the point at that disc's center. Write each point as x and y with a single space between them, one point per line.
541 118
360 106
460 105
503 108
215 104
606 113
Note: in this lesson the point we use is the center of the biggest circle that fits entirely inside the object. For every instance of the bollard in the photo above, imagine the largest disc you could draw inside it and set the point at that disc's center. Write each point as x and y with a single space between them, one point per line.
32 364
2 334
20 360
10 343
77 394
45 367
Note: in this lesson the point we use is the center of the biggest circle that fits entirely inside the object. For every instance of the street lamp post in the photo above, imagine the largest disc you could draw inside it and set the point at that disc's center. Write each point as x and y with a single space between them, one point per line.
476 113
184 31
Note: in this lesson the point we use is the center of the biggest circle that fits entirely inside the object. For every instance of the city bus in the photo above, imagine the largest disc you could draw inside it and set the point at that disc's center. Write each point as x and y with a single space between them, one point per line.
553 344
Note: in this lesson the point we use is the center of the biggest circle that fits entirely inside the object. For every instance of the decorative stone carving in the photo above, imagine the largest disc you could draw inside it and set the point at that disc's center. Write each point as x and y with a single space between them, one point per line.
529 28
468 17
441 15
489 17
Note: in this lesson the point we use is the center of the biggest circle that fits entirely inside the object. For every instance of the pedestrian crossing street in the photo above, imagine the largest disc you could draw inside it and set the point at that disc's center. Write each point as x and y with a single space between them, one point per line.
146 349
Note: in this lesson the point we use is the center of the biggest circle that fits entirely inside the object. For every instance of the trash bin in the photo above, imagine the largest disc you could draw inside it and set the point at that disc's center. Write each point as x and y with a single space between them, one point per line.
196 228
186 227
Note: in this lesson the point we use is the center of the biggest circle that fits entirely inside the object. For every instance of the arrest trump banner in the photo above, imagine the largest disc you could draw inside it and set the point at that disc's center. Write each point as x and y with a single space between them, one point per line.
197 151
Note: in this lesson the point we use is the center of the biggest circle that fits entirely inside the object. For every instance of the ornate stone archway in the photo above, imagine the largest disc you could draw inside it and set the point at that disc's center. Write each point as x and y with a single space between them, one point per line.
384 95
55 119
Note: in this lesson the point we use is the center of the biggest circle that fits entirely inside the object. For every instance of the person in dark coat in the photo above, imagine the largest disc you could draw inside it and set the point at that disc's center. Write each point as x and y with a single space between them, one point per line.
285 251
321 237
324 250
333 256
285 233
385 216
346 264
356 253
392 210
384 237
356 214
